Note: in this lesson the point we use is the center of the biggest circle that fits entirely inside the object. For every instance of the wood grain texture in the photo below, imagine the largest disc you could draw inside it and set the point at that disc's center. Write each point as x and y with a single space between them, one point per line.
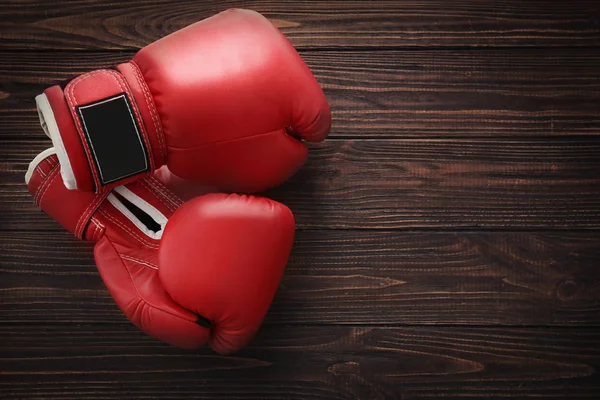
85 24
99 361
404 184
388 94
448 231
354 277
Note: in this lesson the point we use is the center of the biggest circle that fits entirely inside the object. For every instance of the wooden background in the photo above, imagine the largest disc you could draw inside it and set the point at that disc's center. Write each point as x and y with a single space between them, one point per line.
448 239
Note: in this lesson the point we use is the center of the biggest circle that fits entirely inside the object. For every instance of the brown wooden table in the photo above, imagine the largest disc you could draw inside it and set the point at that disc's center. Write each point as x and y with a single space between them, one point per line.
448 239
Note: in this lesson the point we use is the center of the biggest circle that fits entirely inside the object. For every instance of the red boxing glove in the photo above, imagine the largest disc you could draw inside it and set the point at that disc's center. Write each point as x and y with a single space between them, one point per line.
202 272
226 101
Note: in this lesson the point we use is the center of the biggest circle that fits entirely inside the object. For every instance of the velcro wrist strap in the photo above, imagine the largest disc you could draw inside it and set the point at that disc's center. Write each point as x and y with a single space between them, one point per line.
110 128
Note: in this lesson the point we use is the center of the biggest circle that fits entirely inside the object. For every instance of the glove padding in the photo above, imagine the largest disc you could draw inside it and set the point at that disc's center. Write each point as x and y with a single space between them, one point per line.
204 271
226 101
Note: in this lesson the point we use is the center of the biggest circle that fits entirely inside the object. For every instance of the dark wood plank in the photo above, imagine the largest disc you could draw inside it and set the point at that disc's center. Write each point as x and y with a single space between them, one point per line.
360 314
124 24
354 277
411 184
99 361
386 94
448 184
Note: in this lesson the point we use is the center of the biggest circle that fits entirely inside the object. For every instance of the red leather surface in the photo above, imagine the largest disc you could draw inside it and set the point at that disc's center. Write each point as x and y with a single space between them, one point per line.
70 137
139 293
243 243
249 164
145 104
50 194
227 78
221 257
225 92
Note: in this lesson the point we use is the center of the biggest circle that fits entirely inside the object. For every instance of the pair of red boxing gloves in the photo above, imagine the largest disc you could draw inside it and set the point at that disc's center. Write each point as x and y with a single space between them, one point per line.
224 103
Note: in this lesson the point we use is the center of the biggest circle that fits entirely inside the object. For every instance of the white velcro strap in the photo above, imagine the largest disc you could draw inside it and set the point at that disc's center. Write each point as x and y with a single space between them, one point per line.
36 161
143 205
50 127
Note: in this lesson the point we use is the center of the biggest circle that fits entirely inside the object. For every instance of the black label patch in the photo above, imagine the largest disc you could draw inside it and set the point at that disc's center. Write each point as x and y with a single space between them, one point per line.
114 137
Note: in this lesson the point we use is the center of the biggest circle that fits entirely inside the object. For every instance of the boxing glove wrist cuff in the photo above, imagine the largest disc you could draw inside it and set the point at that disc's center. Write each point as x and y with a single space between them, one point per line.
74 212
103 136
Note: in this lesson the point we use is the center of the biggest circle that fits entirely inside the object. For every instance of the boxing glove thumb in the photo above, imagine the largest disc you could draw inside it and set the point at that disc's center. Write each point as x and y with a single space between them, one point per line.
241 245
